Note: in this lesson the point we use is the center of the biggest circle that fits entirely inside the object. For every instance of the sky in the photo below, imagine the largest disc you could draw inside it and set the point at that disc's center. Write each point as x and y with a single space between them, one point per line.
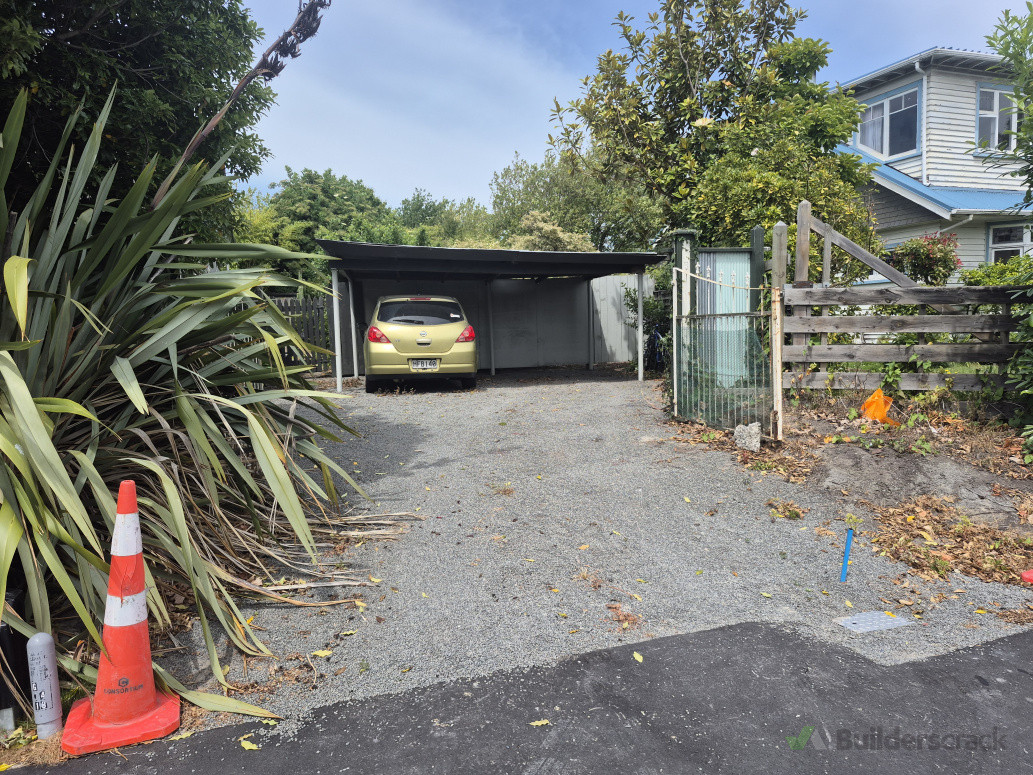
439 94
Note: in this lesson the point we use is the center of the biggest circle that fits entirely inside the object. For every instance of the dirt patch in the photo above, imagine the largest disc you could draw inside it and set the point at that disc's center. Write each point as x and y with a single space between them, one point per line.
791 459
935 539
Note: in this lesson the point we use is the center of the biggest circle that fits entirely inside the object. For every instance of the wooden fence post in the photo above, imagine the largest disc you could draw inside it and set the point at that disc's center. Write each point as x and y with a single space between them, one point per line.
776 362
803 261
779 254
756 266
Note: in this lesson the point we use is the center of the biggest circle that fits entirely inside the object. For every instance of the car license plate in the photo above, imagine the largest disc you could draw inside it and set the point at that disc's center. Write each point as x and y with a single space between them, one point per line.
424 365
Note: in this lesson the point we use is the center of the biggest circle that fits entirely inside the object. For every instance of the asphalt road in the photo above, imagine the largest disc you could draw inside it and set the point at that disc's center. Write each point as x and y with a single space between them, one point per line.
749 698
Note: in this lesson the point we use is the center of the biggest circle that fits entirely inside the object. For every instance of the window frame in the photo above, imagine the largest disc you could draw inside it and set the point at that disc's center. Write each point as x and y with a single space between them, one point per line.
884 99
998 89
1023 246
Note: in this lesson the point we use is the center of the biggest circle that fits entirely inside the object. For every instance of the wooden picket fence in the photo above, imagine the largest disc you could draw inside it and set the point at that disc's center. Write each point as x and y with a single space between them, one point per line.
311 318
946 309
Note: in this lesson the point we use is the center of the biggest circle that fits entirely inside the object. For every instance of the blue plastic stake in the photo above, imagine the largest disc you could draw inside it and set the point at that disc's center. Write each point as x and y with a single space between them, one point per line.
846 553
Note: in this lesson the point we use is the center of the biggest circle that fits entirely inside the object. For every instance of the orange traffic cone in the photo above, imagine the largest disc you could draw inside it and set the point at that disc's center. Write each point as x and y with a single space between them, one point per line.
126 708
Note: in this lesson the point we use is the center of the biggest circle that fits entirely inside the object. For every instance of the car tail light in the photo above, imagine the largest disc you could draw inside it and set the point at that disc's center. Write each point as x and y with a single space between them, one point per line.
376 335
467 335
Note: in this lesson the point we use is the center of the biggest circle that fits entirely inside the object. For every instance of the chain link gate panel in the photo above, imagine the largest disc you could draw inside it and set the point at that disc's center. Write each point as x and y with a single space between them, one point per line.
721 365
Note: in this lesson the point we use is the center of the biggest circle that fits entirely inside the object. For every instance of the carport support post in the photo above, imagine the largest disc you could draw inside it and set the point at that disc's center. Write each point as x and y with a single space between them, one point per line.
590 298
354 327
338 366
491 328
641 329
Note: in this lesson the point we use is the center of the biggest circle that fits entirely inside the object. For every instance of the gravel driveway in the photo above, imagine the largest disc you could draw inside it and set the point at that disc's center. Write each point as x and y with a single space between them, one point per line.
555 509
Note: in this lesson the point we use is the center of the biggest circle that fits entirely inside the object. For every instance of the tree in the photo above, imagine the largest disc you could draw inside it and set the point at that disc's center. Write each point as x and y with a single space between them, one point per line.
174 63
615 215
420 209
540 233
1012 38
714 109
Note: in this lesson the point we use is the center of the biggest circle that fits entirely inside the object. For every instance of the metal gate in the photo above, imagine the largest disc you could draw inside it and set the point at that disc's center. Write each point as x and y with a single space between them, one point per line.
721 361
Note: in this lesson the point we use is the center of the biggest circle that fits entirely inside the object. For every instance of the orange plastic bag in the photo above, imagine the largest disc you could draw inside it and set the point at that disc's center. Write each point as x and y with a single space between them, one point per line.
876 406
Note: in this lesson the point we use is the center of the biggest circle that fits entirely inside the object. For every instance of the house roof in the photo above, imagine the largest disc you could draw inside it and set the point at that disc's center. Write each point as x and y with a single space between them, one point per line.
942 57
367 261
944 201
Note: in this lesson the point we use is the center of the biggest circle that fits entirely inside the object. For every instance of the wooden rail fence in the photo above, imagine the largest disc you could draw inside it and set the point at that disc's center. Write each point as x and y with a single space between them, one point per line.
311 318
984 338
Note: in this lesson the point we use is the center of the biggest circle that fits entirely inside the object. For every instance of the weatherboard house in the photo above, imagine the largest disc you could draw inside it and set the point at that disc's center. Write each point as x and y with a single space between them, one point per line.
931 123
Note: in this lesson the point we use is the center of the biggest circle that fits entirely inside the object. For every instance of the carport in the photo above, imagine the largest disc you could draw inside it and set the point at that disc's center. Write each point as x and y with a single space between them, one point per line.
555 284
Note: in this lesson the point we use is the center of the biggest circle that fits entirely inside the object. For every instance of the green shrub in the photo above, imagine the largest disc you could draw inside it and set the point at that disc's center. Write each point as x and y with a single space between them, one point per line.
118 359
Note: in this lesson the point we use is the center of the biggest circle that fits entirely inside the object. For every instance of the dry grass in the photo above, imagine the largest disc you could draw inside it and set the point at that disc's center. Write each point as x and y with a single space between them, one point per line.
626 619
935 539
502 489
1016 615
785 510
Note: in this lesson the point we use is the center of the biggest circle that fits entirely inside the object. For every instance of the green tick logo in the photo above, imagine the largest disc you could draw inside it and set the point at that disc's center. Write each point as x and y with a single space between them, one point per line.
799 742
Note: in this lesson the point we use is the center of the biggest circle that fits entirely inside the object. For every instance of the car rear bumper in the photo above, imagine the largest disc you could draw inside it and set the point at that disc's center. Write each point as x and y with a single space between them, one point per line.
383 360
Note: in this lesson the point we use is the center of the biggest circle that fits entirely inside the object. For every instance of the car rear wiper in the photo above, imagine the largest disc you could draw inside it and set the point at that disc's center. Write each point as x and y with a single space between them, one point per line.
414 321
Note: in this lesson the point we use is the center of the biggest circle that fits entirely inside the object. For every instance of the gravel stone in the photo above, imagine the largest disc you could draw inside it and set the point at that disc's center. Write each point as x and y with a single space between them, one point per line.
747 437
547 496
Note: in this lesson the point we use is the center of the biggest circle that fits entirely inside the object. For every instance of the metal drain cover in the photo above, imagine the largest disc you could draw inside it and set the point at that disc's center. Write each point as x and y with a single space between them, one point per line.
870 621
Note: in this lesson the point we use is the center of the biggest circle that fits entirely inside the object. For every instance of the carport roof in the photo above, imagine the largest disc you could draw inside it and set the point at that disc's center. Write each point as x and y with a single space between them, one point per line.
368 261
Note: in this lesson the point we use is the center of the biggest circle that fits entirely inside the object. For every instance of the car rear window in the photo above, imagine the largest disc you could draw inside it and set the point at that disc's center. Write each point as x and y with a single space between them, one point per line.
420 313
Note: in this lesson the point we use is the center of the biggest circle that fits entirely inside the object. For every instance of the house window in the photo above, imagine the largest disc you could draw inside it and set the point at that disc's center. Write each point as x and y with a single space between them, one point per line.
1006 242
997 119
890 126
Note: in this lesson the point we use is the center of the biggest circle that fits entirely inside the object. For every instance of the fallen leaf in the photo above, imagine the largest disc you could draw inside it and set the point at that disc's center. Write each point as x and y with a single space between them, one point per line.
824 592
322 653
637 597
980 611
542 723
848 604
406 669
528 559
615 532
638 657
765 594
348 632
641 581
374 580
359 604
554 590
561 616
538 477
424 594
890 614
174 737
573 631
699 572
270 722
583 547
246 744
687 500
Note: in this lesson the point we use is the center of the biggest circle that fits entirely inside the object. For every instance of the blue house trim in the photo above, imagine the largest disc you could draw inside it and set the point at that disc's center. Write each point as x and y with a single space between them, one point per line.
942 200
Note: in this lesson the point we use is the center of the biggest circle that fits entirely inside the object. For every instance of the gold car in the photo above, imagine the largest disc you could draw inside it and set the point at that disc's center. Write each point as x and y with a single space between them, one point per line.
414 337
